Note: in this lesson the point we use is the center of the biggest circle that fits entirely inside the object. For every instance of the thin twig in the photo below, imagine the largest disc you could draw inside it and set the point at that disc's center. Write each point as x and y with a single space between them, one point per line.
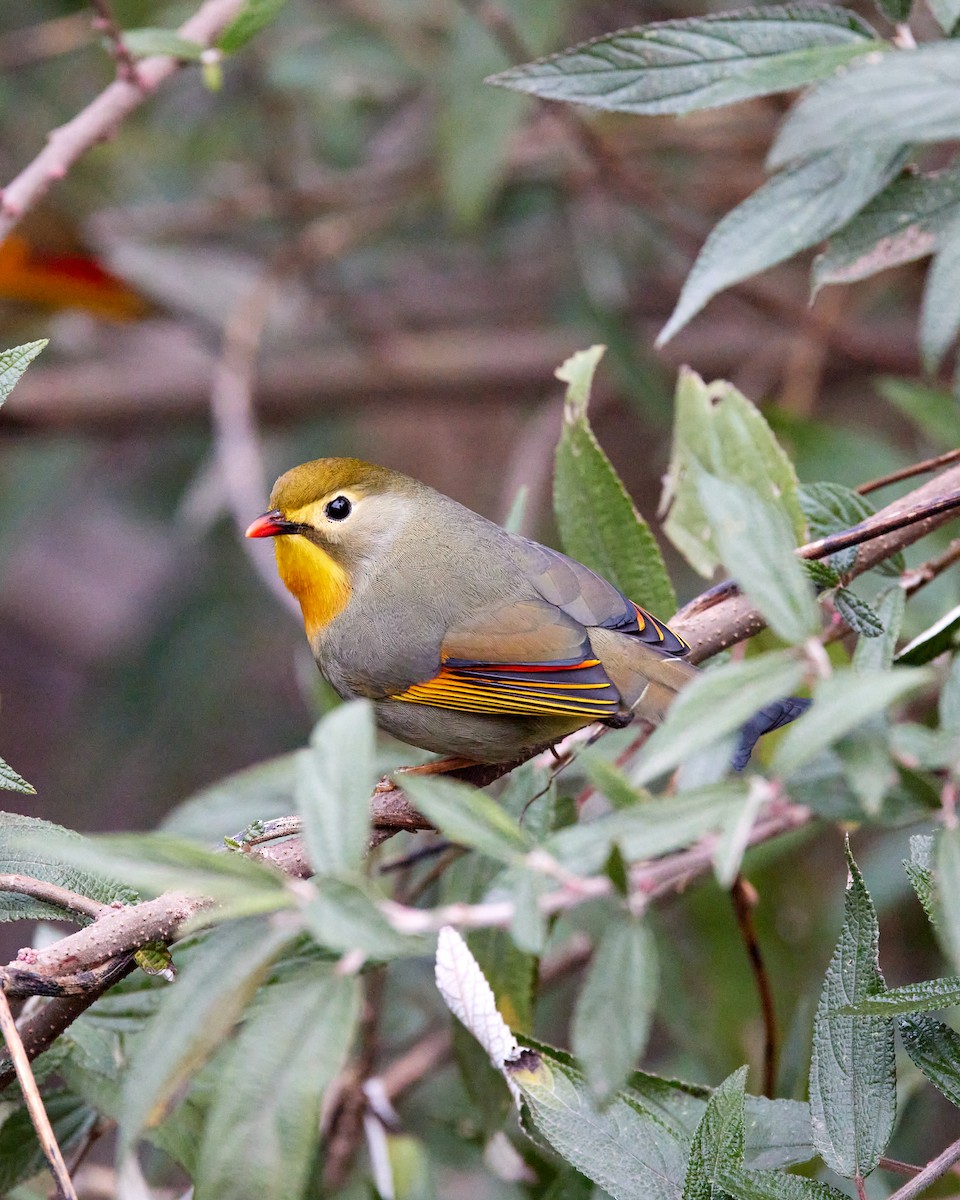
918 468
876 527
744 898
54 895
912 581
38 1114
934 1169
102 116
105 22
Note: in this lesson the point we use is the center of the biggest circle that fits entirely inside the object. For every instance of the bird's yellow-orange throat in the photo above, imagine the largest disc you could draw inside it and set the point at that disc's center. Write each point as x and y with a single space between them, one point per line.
320 584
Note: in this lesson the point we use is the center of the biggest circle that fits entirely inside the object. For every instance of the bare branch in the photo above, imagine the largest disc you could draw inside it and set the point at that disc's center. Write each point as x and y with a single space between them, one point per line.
102 116
53 894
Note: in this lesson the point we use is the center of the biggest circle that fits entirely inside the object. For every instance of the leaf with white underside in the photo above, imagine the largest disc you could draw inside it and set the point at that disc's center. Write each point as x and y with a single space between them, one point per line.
851 113
611 1019
598 522
694 63
842 704
717 429
902 224
756 545
852 1078
14 362
470 998
799 207
940 310
10 781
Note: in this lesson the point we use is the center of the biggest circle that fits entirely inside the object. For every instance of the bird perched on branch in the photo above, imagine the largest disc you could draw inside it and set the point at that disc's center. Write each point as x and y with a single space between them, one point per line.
471 642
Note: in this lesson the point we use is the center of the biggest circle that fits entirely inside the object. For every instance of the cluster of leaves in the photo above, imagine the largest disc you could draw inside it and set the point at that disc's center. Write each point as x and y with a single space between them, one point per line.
245 1049
843 162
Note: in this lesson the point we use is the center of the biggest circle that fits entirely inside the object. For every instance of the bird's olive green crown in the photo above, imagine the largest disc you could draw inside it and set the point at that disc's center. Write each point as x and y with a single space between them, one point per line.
311 481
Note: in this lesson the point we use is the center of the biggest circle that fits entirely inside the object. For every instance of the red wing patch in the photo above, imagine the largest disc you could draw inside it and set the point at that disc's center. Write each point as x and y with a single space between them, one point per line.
522 689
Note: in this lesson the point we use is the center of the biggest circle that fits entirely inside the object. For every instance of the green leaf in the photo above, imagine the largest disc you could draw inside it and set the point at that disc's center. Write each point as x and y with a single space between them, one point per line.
467 816
948 705
260 792
195 1016
799 207
343 916
832 508
852 112
947 13
919 868
21 1155
842 704
698 62
821 574
901 224
146 42
713 706
14 362
895 11
631 1155
933 410
269 1089
717 1150
948 891
717 429
930 995
599 525
876 654
940 310
29 846
253 17
611 1019
934 1048
857 613
335 778
919 746
852 1080
942 635
777 1133
12 782
756 544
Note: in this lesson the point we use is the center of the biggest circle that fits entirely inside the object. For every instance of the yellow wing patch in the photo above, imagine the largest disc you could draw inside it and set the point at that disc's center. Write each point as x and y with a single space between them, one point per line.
574 689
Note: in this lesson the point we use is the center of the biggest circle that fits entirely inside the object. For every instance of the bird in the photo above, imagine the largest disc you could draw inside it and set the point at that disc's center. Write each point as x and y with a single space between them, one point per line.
471 642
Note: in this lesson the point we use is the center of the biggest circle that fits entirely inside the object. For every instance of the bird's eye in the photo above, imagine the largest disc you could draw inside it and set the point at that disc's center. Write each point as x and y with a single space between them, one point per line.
338 508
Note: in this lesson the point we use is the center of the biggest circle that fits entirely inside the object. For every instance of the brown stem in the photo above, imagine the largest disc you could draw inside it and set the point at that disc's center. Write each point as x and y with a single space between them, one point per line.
53 894
877 527
106 23
913 581
744 898
934 1169
918 468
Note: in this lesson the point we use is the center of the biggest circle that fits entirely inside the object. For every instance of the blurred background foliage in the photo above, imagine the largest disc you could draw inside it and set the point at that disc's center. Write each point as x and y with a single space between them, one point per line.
430 249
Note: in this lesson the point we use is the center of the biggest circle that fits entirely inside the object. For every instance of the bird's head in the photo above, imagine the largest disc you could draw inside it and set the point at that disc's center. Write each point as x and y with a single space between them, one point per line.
331 518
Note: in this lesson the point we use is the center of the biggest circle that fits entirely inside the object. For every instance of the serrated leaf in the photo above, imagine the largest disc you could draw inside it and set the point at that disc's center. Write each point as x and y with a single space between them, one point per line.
857 613
253 17
901 224
683 65
21 1155
270 1087
611 1019
470 998
195 1015
795 209
947 855
10 781
934 1049
821 573
14 362
919 868
832 508
852 111
933 410
714 706
334 780
625 1151
876 654
842 704
717 1149
940 310
29 846
717 429
142 43
852 1078
930 995
467 816
598 522
343 916
756 544
942 635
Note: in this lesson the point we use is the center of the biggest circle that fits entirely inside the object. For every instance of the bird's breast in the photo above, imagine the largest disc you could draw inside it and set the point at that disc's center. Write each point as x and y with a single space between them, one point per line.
320 584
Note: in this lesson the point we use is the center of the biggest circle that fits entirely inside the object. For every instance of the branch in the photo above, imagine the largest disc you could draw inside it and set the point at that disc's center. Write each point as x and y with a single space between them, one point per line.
931 1172
53 894
103 115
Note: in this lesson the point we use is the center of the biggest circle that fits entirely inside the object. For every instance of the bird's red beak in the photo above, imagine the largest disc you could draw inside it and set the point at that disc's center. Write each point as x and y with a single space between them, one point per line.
271 524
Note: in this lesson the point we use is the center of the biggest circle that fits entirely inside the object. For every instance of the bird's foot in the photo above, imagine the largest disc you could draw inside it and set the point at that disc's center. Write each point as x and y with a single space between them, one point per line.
436 766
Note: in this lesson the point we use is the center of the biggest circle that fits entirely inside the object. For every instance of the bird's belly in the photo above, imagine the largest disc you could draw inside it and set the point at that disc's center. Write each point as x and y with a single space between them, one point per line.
482 737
